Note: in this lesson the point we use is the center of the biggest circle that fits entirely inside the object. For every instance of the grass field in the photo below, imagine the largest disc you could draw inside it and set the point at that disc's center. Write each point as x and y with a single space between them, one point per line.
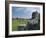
17 22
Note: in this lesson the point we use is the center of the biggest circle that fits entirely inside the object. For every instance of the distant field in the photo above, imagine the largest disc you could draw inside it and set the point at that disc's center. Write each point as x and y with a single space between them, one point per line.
17 22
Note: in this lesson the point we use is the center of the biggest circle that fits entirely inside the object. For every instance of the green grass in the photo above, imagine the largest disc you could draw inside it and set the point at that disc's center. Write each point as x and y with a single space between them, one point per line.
17 22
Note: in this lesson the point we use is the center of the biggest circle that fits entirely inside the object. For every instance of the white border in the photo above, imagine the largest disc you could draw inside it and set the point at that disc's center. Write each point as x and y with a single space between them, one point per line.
25 32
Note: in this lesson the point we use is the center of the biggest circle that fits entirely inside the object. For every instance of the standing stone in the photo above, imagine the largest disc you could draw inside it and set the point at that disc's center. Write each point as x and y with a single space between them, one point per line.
21 27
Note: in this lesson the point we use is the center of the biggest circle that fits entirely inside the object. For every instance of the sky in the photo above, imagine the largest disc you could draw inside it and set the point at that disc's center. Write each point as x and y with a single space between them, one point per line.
24 12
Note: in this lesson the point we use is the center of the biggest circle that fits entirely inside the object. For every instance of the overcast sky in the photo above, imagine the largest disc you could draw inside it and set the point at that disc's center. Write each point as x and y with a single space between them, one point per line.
23 12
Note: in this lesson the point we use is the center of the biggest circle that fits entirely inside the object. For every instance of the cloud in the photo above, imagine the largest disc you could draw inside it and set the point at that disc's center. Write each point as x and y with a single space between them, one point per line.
25 12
